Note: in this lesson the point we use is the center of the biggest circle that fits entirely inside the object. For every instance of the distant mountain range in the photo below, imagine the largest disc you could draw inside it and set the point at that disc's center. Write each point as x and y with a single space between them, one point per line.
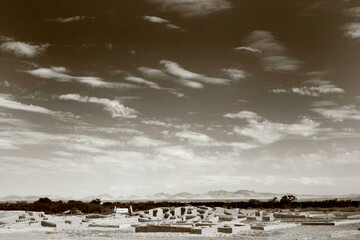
183 196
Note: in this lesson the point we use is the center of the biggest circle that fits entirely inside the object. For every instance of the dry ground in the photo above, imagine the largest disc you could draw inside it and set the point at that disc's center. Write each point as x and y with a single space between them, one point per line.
348 232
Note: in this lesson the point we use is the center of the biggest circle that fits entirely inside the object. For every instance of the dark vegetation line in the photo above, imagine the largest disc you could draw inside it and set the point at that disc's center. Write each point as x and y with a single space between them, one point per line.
287 202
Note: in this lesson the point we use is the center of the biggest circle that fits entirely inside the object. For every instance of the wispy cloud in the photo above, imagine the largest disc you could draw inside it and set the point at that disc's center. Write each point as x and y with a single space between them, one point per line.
274 54
280 63
142 81
5 84
144 141
192 8
195 138
114 107
153 85
314 91
6 144
352 30
156 123
339 113
159 74
163 21
353 12
323 103
319 86
266 43
59 74
6 38
114 130
71 142
279 90
23 49
174 69
152 72
318 81
249 49
200 139
243 115
267 132
166 124
239 146
155 19
6 101
235 74
69 19
178 152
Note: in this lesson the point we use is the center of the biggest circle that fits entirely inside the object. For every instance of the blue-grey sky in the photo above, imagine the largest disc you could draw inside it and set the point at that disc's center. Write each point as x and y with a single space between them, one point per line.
139 97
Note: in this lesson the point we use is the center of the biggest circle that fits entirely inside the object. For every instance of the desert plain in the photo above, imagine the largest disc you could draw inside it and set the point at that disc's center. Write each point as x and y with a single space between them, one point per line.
186 222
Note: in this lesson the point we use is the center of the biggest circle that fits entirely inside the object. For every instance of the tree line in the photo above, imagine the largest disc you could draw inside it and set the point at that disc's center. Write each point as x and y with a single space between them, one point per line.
96 206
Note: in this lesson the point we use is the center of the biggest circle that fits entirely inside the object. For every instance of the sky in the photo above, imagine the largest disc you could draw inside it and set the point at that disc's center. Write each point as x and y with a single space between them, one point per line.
139 97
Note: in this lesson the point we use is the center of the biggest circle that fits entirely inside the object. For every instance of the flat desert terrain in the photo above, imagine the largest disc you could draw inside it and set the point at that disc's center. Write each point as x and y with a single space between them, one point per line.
300 233
182 223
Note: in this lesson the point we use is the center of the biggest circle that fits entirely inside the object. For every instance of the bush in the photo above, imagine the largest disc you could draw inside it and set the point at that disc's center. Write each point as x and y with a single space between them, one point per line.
50 207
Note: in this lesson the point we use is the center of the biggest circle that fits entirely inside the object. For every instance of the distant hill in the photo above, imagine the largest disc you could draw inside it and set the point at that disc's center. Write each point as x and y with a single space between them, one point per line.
30 198
219 195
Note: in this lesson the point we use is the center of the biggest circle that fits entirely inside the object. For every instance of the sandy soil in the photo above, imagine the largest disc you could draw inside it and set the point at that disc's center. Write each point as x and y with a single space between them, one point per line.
348 232
27 225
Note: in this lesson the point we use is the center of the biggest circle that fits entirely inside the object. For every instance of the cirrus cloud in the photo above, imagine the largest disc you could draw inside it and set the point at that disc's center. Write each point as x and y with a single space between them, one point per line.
274 54
69 19
144 141
7 102
176 70
176 151
192 8
114 107
59 74
352 30
249 49
267 132
194 137
338 114
243 115
235 74
158 20
24 49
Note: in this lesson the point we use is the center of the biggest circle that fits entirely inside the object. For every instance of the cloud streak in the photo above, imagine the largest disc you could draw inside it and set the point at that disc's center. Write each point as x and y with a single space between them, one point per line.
167 23
178 152
249 49
273 52
159 74
352 30
174 69
314 91
243 115
23 49
317 91
69 19
338 114
7 102
59 74
142 81
114 107
192 8
266 132
153 85
235 74
144 141
195 137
